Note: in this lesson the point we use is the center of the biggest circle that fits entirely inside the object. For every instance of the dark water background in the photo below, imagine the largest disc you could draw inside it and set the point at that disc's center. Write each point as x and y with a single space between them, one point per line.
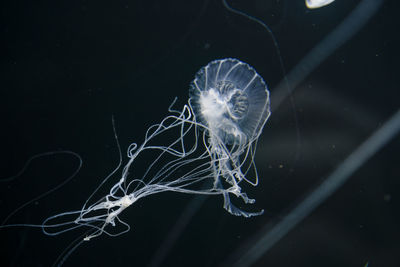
68 67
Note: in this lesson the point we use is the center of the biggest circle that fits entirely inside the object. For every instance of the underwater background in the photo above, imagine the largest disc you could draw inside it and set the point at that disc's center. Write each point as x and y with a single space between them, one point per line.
68 67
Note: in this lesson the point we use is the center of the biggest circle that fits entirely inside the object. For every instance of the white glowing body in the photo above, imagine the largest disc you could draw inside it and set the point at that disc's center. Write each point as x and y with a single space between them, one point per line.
312 4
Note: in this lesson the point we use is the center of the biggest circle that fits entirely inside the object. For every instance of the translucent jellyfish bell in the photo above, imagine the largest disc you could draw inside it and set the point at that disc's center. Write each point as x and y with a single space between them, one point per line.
231 99
312 4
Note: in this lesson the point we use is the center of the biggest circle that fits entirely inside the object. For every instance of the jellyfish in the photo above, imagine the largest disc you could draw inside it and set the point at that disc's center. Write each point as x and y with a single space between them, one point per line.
312 4
232 101
211 150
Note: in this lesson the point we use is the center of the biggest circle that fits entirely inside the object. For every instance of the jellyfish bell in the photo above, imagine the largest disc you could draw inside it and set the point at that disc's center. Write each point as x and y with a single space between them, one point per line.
312 4
231 99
